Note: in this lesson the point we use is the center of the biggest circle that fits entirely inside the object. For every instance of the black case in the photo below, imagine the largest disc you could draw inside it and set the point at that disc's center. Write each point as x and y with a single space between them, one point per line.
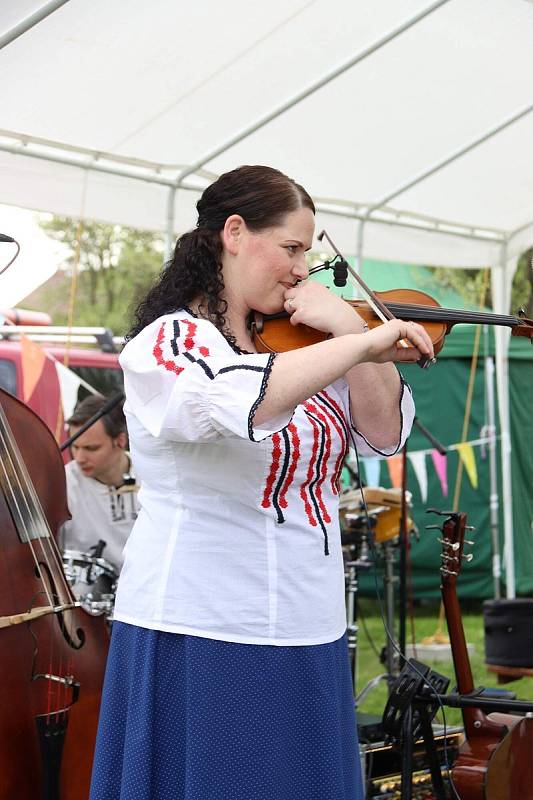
509 632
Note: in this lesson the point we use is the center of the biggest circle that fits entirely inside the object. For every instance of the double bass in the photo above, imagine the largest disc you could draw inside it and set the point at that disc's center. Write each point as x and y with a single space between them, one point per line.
52 652
495 762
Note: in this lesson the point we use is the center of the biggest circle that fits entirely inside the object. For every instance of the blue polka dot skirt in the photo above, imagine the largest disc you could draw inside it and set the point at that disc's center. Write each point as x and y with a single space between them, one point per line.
187 718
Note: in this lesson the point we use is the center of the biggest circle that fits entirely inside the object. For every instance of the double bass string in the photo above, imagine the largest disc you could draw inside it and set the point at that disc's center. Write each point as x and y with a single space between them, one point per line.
26 504
30 515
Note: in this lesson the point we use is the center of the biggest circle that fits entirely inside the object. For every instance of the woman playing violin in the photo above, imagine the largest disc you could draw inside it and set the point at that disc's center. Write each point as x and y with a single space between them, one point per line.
228 675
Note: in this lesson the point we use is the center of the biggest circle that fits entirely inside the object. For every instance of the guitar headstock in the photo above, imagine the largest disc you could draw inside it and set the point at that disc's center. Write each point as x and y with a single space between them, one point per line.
453 541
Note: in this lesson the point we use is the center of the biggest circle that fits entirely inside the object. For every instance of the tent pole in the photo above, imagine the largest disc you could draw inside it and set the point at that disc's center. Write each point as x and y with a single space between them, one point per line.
490 431
314 87
33 19
169 232
500 304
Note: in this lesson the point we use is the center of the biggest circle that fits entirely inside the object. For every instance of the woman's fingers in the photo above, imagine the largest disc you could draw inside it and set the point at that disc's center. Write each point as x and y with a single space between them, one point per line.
419 338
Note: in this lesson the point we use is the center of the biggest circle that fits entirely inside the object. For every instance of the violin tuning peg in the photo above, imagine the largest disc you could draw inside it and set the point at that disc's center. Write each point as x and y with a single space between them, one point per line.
440 513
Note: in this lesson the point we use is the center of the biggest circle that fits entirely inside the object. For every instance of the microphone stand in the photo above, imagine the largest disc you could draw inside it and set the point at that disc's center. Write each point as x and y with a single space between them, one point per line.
106 408
404 542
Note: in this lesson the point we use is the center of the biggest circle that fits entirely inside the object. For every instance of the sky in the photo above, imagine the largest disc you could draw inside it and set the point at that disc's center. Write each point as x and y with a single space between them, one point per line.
38 260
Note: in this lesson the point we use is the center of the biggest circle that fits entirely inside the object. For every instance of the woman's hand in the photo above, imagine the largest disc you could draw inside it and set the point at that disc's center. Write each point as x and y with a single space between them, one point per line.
383 342
311 303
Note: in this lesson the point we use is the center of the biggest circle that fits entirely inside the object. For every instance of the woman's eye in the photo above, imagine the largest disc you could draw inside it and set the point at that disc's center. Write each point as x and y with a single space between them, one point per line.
292 249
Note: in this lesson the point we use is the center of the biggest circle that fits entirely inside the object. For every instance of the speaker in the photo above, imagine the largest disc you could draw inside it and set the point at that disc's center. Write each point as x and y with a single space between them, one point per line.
509 632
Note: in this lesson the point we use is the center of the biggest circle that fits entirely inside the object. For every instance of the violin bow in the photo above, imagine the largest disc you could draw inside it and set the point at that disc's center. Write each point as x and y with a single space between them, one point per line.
381 310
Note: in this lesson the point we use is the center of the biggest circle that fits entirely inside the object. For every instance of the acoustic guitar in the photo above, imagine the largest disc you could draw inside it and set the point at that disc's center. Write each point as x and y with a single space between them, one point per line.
495 762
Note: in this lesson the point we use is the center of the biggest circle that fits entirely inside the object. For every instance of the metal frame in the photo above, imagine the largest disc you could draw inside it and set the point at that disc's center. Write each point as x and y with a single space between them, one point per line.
144 171
29 22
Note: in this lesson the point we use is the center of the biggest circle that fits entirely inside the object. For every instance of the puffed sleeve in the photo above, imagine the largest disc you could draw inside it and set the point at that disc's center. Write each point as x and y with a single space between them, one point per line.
184 382
406 408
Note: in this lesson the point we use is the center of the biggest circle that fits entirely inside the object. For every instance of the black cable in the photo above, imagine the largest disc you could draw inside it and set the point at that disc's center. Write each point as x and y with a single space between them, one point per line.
367 634
390 638
14 257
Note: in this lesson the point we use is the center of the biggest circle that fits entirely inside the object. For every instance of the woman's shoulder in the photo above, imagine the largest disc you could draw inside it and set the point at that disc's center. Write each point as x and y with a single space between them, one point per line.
178 331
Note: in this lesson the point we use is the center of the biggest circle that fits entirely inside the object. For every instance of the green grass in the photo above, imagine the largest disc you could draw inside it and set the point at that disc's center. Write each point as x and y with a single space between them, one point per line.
371 630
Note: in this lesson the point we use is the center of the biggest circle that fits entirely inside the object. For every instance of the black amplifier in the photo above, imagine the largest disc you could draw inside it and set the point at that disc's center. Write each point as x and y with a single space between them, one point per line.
509 632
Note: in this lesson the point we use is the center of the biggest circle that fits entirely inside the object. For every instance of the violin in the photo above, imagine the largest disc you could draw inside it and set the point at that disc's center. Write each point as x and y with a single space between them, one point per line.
494 762
274 333
53 652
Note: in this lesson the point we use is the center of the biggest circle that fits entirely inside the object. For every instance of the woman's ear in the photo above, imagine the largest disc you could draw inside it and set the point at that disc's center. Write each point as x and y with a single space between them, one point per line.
232 233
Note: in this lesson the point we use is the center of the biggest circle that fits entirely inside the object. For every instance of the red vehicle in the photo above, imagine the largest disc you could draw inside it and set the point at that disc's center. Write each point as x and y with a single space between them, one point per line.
91 353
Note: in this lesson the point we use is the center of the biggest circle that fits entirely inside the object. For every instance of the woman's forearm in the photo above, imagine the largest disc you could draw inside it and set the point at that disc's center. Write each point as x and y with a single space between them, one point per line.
298 374
375 402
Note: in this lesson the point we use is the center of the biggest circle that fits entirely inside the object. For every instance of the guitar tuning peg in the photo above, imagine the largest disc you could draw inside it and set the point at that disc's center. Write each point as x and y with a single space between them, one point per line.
470 528
448 571
440 513
448 543
433 527
468 556
469 541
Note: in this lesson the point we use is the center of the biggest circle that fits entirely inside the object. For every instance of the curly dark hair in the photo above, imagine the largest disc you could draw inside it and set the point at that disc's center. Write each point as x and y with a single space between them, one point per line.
262 196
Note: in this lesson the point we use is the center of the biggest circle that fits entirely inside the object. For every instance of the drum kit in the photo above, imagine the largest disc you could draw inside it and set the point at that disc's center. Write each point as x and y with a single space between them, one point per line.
93 580
370 521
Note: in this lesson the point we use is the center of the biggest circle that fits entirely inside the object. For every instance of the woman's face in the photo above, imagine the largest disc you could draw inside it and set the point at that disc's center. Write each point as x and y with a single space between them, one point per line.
265 264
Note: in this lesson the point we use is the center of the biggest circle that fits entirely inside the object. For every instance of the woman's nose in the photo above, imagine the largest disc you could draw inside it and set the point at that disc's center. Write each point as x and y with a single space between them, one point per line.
300 269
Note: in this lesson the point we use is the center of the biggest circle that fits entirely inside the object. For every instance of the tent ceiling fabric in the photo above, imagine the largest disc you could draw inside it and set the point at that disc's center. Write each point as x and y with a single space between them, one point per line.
169 82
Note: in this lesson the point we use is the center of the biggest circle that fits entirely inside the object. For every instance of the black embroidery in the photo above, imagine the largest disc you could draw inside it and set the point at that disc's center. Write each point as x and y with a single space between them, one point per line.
201 363
262 390
174 340
404 385
338 416
313 483
116 501
281 478
253 367
235 347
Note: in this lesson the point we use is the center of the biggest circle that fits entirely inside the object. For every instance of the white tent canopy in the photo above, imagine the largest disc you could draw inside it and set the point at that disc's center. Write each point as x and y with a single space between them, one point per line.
414 118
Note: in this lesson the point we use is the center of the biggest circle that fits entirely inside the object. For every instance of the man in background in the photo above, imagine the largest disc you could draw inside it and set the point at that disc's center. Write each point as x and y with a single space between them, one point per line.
101 486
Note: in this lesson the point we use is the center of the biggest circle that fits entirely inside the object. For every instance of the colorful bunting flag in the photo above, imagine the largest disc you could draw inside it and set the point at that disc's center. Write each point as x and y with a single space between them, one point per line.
440 463
466 454
395 467
69 383
372 467
33 359
418 462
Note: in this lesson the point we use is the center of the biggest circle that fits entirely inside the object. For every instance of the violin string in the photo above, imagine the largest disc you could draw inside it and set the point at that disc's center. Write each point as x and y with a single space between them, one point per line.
9 470
35 512
450 315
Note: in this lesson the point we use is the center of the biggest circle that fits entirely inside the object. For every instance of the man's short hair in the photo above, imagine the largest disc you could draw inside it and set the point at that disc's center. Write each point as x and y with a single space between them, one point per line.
114 421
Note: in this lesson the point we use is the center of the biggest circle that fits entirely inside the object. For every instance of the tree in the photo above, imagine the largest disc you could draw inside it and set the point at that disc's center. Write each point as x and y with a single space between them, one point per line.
469 284
116 267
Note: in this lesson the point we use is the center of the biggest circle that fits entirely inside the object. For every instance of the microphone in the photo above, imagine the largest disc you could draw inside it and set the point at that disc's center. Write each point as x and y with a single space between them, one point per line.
5 238
340 272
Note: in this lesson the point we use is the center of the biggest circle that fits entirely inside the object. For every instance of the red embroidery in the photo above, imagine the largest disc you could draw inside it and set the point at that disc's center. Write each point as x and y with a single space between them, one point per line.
295 455
189 339
188 342
325 458
310 474
158 353
335 478
276 455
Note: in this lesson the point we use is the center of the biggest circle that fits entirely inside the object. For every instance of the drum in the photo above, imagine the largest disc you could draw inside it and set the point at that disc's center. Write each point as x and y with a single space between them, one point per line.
385 505
93 581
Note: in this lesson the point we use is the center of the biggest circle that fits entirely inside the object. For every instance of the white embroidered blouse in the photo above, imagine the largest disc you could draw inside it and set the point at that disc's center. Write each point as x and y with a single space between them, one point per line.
238 534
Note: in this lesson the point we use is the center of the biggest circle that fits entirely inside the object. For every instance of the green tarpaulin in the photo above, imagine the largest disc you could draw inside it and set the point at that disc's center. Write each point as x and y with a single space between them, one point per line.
440 395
